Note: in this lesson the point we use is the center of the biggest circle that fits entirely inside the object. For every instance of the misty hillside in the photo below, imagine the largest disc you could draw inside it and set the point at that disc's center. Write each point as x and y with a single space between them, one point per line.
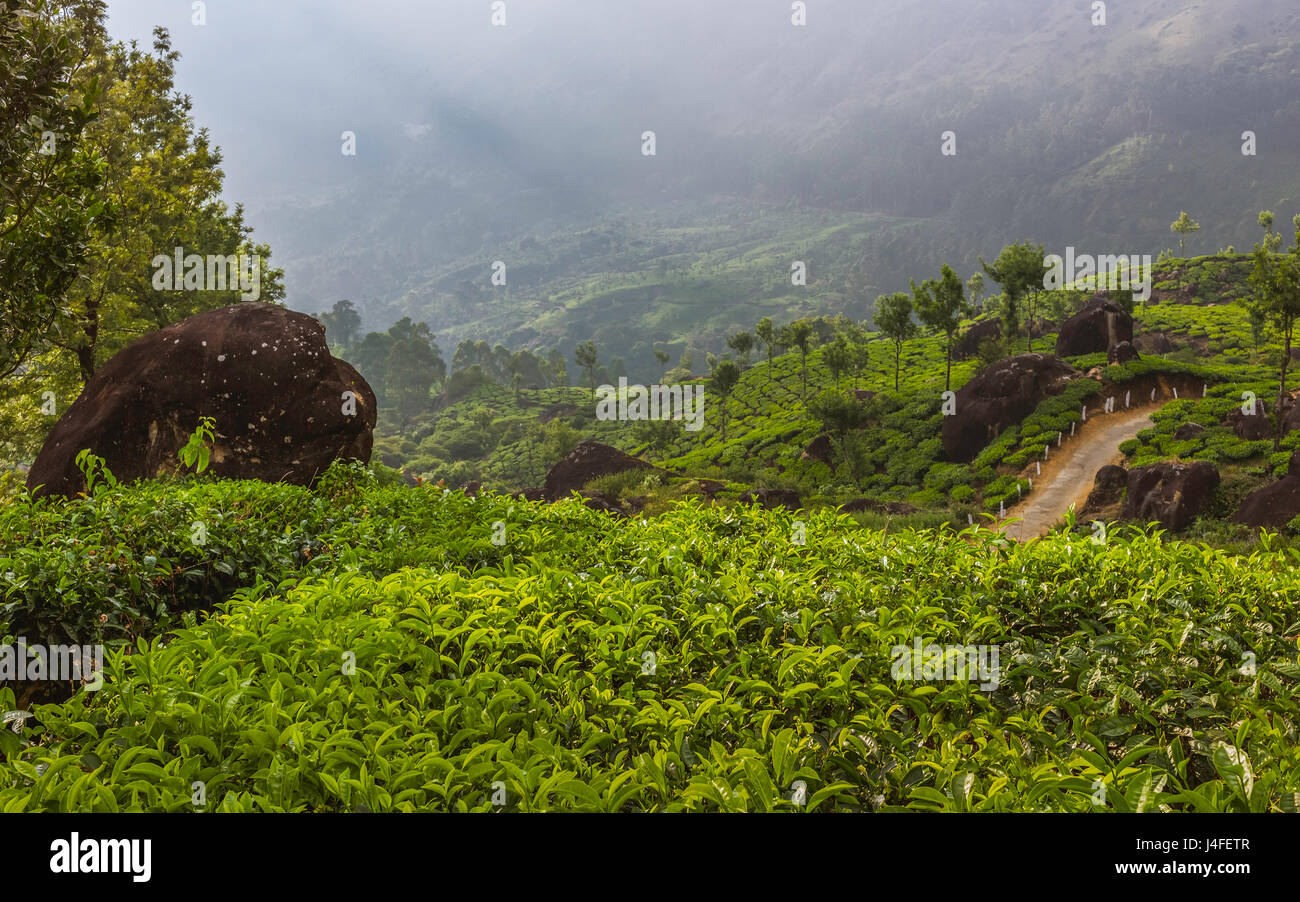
1067 132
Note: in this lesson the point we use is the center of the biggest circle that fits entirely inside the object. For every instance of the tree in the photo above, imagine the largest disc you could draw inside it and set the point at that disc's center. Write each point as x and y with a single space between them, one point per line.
587 358
798 335
662 357
165 182
859 356
838 357
840 415
560 440
50 181
466 356
1272 240
724 381
975 288
1184 225
1256 311
941 305
1275 280
557 368
516 368
742 343
893 317
1019 269
343 322
767 335
412 366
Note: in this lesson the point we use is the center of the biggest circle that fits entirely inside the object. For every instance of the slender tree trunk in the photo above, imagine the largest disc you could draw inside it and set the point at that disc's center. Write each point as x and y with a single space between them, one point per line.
1281 388
90 329
1030 330
898 362
947 378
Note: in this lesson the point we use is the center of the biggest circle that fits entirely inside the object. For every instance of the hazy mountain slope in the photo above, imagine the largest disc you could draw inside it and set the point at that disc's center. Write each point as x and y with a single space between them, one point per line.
1066 132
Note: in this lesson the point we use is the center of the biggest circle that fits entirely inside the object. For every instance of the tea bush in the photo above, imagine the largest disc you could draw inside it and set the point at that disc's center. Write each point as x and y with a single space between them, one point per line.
701 660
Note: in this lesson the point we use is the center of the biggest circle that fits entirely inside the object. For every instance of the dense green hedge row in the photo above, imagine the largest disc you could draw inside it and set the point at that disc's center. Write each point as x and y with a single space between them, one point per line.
128 563
705 659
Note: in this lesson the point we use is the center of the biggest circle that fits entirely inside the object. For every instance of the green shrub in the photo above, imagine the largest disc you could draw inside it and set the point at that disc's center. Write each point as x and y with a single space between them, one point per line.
691 662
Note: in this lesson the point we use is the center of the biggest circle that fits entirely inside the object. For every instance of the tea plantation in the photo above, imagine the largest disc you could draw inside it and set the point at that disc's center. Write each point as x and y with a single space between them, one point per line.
382 648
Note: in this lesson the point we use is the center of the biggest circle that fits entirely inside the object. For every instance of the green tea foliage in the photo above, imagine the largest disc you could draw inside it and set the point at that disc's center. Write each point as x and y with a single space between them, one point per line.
701 660
198 450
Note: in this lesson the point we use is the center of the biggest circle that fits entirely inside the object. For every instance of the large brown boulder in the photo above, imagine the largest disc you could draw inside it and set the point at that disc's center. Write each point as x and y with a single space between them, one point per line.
262 372
589 460
1276 504
1156 343
1290 414
1122 353
1101 324
1108 486
1001 395
1252 427
1171 493
819 449
969 343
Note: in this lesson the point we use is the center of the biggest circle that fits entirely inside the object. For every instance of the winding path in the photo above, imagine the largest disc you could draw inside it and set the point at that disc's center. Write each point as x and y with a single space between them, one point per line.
1067 479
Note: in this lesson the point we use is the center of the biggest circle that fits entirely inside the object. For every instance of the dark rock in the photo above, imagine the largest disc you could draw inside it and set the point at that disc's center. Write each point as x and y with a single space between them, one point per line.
1122 353
600 501
471 489
1107 487
1157 343
1099 325
588 461
710 487
861 394
819 449
1188 431
772 498
1290 414
530 495
1252 427
262 372
1275 505
1171 493
969 343
999 396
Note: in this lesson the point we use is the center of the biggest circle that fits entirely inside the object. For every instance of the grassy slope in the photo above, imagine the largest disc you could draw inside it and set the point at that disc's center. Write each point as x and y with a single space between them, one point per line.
768 427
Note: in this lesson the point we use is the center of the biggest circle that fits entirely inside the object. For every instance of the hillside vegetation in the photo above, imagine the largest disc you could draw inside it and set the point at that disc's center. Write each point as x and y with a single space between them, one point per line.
700 660
891 453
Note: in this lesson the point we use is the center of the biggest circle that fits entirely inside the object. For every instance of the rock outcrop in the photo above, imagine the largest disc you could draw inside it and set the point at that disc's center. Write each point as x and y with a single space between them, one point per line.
1275 505
999 396
1101 324
1253 427
284 408
968 345
1122 353
587 461
819 449
1108 486
1156 343
1171 493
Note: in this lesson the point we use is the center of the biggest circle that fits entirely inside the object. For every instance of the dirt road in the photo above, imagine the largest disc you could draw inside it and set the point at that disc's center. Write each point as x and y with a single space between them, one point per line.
1066 479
